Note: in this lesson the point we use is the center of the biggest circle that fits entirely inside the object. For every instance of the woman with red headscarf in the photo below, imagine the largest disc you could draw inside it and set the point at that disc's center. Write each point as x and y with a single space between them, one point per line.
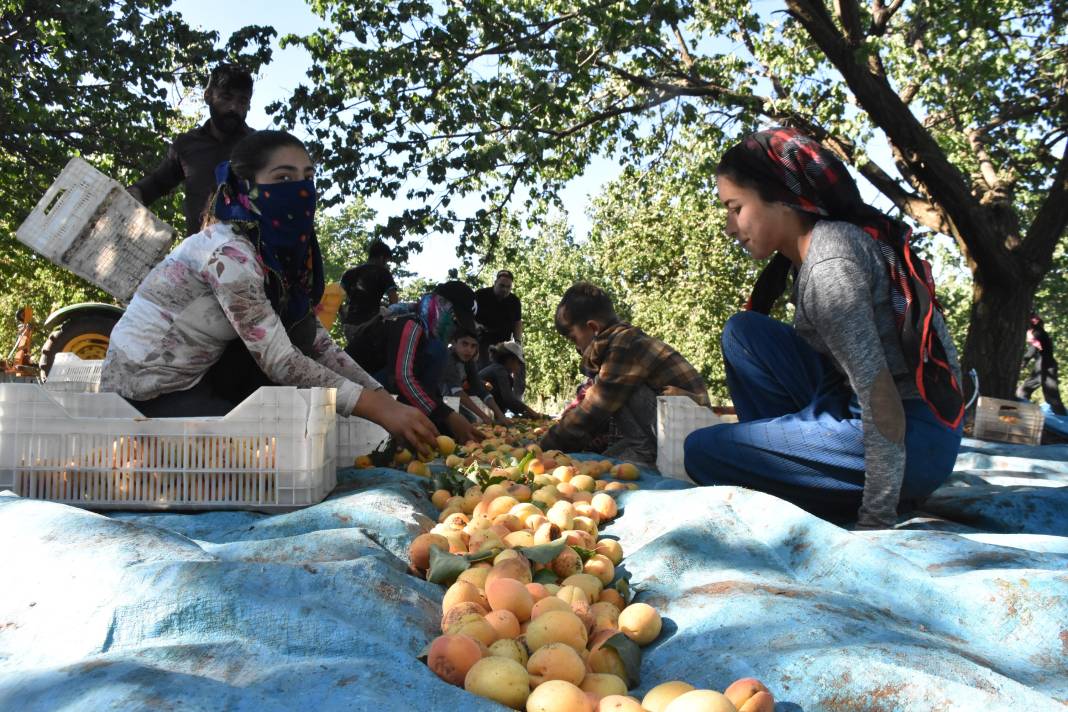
843 413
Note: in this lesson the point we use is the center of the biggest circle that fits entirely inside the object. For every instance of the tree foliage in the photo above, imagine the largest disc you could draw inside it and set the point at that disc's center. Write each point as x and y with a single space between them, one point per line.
99 80
507 100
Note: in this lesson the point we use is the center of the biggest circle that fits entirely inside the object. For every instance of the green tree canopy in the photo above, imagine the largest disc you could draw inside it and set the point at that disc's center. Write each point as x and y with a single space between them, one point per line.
508 100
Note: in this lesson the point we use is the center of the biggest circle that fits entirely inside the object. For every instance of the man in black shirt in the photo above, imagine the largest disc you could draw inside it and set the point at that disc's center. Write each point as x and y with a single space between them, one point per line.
365 285
194 154
500 315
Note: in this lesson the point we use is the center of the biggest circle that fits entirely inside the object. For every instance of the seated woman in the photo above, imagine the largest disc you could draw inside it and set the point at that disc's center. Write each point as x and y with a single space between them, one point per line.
230 308
830 413
506 363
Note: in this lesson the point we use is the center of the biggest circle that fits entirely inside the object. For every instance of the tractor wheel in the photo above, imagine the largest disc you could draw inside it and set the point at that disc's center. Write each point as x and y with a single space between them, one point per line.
86 336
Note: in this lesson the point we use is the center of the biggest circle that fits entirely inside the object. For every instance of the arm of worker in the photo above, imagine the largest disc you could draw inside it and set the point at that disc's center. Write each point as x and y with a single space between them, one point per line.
837 299
517 331
404 342
164 178
619 374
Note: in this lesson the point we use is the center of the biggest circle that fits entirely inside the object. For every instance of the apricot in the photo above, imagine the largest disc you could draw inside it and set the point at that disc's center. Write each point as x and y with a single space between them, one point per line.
750 695
566 490
509 594
451 656
571 594
626 471
454 461
537 591
501 505
456 520
478 628
484 540
605 660
499 679
605 505
640 622
567 563
619 703
472 496
601 567
562 513
507 554
510 648
610 548
520 492
525 510
402 456
476 576
446 445
591 585
658 698
550 603
558 696
523 537
546 533
614 597
584 483
418 467
555 661
556 627
564 473
585 509
585 524
461 591
453 615
577 537
504 622
419 549
513 568
700 701
605 615
440 498
615 487
598 685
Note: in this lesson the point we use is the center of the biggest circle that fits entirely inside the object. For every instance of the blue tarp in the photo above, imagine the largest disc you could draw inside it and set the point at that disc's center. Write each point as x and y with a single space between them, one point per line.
963 607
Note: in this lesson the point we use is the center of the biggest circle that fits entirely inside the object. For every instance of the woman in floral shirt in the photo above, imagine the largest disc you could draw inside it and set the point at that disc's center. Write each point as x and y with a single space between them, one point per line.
231 307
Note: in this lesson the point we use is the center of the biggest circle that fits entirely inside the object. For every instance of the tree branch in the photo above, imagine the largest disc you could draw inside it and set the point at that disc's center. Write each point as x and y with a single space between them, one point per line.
684 51
1051 220
881 15
848 14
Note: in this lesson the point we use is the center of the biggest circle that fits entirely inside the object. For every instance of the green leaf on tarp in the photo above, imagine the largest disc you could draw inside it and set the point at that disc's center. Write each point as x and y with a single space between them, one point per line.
544 576
445 567
584 554
540 505
543 553
525 461
630 654
485 555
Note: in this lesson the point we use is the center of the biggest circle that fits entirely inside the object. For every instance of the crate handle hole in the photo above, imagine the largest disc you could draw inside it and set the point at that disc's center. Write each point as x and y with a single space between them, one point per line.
55 199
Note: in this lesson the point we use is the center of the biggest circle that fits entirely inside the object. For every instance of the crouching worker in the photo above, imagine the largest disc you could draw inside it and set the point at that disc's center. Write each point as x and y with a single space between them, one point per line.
407 352
506 367
630 370
461 379
832 409
230 308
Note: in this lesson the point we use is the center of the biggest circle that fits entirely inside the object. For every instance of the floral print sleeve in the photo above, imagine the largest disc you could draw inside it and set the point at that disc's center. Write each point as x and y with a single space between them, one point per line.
236 278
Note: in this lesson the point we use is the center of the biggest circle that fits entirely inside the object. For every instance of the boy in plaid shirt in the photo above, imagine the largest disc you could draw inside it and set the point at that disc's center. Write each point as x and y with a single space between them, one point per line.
618 410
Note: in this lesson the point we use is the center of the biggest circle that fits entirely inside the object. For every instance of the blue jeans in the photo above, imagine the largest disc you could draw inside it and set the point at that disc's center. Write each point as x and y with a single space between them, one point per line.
799 435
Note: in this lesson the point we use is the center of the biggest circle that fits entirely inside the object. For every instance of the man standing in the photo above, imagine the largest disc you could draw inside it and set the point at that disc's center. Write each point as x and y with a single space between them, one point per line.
193 155
365 285
500 315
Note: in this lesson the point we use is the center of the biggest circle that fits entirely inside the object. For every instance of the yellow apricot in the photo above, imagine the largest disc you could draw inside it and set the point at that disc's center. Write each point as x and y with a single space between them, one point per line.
555 661
591 585
461 591
619 703
499 679
600 566
605 505
610 548
558 696
511 595
504 622
700 701
419 549
510 648
598 685
640 622
658 698
750 695
556 627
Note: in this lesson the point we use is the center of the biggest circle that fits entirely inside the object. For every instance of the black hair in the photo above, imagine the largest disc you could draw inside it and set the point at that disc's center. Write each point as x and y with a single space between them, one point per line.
747 169
504 273
252 153
582 302
379 250
229 76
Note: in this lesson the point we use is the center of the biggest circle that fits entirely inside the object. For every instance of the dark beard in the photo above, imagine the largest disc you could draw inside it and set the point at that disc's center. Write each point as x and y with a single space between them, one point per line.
228 123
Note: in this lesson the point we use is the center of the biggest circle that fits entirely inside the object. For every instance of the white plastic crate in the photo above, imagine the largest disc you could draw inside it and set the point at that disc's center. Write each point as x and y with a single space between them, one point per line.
677 417
88 223
1008 421
70 373
274 451
355 437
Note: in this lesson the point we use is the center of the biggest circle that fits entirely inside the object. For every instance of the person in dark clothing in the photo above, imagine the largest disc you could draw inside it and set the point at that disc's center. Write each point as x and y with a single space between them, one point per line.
508 363
1044 369
365 286
407 353
192 157
500 315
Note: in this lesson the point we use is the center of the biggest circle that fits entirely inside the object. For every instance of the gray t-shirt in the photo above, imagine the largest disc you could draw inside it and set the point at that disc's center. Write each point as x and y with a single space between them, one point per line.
843 310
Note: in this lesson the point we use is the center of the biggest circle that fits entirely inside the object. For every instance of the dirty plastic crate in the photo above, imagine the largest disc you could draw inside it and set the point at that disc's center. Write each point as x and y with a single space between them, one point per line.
73 374
1008 421
88 223
677 417
274 451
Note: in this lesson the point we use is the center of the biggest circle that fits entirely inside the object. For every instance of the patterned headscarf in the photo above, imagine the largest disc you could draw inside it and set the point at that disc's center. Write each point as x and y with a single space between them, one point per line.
796 171
280 220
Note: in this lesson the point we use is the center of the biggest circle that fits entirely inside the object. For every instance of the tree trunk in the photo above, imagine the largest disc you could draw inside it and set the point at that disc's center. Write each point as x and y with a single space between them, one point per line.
995 342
